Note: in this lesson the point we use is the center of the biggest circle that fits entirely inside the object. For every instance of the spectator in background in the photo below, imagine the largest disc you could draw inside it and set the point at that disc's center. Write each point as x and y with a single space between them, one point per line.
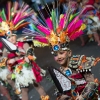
96 4
91 14
89 2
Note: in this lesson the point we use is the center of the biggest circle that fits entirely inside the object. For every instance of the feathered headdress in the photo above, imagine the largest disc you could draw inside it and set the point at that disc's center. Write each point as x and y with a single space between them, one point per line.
58 29
13 17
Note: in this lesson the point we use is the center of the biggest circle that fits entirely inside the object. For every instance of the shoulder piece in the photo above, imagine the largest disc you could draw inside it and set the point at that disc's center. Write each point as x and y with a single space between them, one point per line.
74 61
82 63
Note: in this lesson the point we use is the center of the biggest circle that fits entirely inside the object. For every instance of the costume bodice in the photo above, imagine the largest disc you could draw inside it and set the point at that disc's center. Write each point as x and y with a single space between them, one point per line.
81 63
74 75
78 65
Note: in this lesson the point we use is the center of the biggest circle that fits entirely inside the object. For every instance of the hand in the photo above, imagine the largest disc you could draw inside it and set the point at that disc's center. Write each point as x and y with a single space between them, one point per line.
63 97
32 58
43 72
11 61
21 51
79 97
26 59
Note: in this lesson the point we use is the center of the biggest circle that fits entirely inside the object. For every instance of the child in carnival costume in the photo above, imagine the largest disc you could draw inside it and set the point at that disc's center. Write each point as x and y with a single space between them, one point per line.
22 61
3 73
92 21
57 32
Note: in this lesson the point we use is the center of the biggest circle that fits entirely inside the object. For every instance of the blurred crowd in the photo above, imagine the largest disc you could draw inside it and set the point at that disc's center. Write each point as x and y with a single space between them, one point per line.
91 19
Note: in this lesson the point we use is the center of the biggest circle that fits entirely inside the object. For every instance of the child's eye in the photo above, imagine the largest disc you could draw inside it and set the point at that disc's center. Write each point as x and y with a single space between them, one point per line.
61 52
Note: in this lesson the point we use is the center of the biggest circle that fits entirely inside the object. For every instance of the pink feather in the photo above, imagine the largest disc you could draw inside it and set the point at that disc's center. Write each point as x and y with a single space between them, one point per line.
77 34
24 8
42 39
74 26
43 29
0 19
61 22
49 23
17 17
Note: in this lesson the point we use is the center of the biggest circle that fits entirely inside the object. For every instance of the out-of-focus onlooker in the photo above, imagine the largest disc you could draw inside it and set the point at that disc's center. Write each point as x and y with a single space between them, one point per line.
97 4
90 22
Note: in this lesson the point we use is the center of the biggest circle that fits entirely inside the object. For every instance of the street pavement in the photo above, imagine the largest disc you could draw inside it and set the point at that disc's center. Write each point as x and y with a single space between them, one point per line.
45 59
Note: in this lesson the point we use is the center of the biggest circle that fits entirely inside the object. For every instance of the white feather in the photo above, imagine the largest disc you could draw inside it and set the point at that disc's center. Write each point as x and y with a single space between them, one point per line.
26 77
3 73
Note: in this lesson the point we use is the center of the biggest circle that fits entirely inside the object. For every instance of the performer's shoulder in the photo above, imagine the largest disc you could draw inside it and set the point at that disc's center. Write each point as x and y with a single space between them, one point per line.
75 61
81 62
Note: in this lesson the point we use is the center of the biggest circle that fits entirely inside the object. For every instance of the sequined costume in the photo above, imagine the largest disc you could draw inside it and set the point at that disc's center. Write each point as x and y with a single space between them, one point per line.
79 70
24 73
19 60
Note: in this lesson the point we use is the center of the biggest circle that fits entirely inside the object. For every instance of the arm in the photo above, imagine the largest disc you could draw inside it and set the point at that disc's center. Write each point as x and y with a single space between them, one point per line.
31 56
91 86
89 77
29 52
26 46
4 52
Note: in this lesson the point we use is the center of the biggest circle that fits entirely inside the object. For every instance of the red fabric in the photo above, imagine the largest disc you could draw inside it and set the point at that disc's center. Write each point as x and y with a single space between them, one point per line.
11 66
1 45
77 76
99 88
90 2
19 61
11 55
20 44
98 15
36 71
80 88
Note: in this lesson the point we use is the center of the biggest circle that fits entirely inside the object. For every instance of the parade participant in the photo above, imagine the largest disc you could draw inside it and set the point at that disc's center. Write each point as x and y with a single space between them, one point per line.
92 25
91 20
58 33
20 62
78 68
3 74
26 71
96 4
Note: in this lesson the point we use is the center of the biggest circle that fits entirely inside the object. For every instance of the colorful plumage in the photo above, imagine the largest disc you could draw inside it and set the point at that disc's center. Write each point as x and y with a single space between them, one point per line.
56 30
14 16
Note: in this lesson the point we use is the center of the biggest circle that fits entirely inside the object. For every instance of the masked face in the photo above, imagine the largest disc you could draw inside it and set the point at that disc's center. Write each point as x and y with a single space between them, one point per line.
61 57
12 39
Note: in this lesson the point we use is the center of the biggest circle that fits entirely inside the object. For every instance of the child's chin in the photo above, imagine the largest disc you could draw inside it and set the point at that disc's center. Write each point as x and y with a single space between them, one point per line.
61 63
